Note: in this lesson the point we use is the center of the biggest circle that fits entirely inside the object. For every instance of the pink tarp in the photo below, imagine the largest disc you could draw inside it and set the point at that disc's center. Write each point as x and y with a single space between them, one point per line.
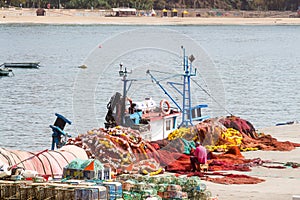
22 155
50 163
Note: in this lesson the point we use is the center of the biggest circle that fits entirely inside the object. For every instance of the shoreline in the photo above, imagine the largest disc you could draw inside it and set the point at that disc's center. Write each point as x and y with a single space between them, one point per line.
69 17
150 21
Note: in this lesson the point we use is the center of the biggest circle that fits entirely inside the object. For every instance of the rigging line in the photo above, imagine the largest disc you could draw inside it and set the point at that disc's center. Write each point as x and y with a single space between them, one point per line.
173 76
166 78
202 79
162 72
211 97
157 71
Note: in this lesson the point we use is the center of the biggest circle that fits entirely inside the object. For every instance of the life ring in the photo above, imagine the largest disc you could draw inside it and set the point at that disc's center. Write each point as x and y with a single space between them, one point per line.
163 110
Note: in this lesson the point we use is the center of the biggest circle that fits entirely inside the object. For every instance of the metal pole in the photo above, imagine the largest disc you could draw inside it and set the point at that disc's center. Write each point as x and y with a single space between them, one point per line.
124 99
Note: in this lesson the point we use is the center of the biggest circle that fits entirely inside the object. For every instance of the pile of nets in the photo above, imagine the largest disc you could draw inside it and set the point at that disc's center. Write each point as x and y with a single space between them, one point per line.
220 134
252 139
211 133
180 163
229 135
125 150
120 147
234 179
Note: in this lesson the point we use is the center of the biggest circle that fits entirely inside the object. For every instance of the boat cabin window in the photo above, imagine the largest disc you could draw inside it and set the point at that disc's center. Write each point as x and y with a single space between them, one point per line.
168 124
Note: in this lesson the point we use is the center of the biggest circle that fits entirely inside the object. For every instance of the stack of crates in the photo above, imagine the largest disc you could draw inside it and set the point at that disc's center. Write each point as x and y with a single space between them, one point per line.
11 190
103 174
114 189
65 193
72 173
27 192
91 193
55 191
49 192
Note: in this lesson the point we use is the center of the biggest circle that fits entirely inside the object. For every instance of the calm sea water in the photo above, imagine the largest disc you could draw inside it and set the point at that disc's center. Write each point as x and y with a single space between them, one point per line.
254 74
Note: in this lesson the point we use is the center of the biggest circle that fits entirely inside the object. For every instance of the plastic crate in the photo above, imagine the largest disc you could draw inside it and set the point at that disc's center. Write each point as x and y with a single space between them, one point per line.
114 189
91 193
65 193
104 174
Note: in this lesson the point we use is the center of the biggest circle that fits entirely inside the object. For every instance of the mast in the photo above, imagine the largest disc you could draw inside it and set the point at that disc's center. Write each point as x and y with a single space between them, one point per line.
189 113
123 74
186 93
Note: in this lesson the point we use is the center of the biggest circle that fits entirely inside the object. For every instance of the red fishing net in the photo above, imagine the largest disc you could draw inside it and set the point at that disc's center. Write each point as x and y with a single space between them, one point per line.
235 179
125 149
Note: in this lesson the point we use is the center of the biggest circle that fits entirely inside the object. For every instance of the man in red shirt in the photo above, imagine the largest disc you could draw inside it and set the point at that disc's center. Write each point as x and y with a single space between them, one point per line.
200 156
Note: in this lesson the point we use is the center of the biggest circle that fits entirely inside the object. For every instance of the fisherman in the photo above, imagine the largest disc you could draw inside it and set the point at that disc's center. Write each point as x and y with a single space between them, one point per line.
199 158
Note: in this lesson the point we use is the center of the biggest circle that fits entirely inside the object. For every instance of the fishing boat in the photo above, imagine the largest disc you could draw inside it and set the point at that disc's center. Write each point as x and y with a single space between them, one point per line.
155 121
5 71
33 65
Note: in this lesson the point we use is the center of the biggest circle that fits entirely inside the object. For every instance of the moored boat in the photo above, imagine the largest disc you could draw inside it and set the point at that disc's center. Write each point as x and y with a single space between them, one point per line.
33 65
5 71
155 121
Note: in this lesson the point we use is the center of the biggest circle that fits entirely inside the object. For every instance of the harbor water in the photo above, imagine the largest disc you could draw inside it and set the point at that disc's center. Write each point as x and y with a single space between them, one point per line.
255 73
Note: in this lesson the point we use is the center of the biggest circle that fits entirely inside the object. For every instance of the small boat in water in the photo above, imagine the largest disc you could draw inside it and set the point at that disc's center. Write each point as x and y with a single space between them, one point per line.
155 120
33 65
5 71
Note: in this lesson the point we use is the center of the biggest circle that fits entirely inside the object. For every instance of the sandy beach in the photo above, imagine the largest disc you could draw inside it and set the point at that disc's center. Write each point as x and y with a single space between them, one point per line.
279 184
89 17
150 21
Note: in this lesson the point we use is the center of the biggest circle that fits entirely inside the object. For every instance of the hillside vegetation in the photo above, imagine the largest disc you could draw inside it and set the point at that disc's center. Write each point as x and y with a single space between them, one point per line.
261 5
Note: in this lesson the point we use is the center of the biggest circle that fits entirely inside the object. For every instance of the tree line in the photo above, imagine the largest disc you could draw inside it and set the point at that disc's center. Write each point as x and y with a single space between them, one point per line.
263 5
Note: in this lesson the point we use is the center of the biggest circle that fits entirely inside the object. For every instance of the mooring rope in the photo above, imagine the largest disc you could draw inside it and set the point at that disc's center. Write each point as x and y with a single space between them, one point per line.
212 97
